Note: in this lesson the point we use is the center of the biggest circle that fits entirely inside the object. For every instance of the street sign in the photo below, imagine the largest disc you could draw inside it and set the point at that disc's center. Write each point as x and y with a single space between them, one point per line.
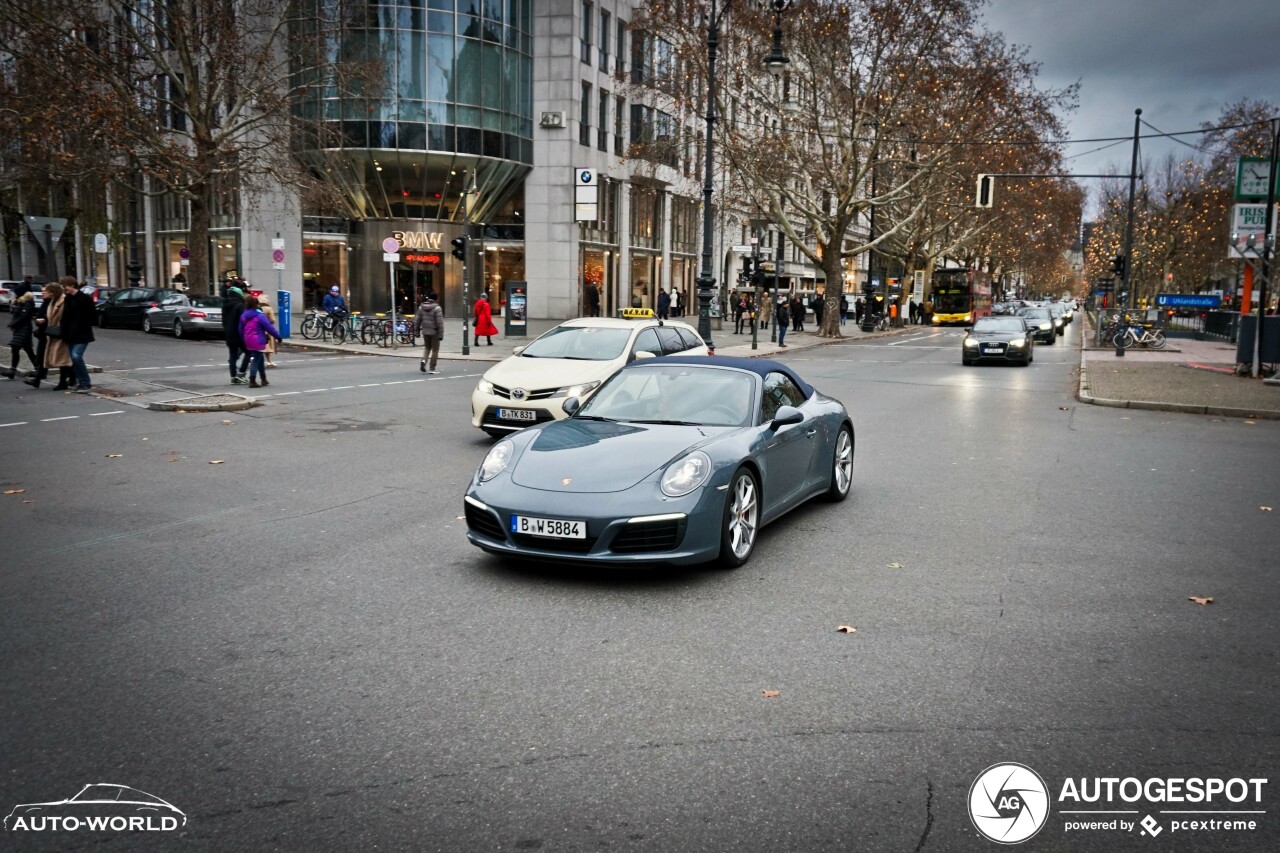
743 250
1188 300
277 259
184 252
1251 177
277 243
390 246
100 243
54 224
391 257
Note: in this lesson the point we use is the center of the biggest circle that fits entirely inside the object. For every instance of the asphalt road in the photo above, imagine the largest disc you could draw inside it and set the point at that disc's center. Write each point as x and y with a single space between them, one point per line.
298 648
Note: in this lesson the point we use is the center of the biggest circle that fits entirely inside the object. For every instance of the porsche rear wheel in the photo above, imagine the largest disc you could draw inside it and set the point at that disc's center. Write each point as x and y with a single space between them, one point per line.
741 519
841 466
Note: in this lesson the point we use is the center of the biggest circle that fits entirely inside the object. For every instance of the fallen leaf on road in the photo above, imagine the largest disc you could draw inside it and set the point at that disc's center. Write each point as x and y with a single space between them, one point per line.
146 439
896 566
846 629
459 517
14 491
1064 408
28 502
229 422
1251 422
770 694
115 455
1201 599
1265 508
215 461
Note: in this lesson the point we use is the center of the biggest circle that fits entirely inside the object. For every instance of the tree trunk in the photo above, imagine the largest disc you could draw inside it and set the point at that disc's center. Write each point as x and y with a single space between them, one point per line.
834 272
199 279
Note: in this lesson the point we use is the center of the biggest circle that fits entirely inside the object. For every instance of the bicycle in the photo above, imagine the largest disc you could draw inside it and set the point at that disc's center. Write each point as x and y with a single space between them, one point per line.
1139 335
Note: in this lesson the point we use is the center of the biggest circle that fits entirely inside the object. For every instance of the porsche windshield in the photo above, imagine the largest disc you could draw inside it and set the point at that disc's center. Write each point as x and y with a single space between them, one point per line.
585 343
678 394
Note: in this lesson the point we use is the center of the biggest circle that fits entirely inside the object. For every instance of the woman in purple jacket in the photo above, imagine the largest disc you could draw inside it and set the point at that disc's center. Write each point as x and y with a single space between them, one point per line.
255 331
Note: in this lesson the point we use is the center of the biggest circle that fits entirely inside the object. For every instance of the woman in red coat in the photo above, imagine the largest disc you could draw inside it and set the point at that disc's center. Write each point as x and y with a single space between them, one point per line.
484 320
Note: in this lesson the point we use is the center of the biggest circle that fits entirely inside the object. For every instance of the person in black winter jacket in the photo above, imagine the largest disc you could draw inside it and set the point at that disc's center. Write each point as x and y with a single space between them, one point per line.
23 311
232 308
78 314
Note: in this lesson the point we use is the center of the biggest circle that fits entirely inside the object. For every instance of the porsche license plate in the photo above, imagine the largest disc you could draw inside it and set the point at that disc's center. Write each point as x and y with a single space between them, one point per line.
518 415
552 528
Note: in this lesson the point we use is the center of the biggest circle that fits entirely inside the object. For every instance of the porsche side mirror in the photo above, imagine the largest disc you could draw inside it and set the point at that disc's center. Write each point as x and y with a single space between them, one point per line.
571 405
786 416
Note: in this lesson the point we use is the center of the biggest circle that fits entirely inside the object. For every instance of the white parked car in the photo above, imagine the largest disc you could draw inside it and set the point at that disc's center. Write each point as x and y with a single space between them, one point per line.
570 360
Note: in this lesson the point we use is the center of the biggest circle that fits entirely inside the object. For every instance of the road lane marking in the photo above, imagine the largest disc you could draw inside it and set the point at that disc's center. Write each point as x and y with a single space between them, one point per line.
100 414
15 423
397 382
409 381
64 418
315 390
178 366
371 385
287 393
147 368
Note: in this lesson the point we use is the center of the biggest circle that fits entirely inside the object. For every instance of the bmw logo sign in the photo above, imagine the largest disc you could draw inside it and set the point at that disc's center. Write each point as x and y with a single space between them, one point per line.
518 393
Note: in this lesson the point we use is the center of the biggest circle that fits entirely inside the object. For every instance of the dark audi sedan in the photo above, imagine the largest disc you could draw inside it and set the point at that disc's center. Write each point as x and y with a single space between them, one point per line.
1041 324
1006 339
130 307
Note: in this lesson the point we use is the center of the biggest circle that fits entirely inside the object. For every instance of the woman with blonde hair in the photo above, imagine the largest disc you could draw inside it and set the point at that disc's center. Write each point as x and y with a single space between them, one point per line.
53 350
264 305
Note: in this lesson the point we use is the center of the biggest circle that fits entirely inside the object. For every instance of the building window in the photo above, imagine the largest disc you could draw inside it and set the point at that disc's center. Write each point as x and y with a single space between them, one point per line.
603 50
587 23
639 57
620 54
602 122
584 118
619 140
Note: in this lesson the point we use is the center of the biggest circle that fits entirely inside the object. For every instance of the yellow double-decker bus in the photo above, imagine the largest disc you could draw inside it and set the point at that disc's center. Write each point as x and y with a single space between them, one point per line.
960 296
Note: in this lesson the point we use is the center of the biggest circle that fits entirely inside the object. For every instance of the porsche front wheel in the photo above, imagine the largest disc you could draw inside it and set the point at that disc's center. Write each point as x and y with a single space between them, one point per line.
741 519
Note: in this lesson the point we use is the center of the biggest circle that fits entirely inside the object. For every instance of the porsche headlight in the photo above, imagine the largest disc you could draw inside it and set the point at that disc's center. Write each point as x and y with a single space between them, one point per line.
970 342
685 475
577 390
1018 342
484 386
496 460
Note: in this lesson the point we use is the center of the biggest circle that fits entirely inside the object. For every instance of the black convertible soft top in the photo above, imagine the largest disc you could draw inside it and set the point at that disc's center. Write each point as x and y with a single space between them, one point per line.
759 366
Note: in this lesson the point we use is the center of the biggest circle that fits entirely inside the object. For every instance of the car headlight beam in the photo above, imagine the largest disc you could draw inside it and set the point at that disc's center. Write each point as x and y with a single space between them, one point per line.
579 390
686 474
970 342
496 460
484 386
1018 342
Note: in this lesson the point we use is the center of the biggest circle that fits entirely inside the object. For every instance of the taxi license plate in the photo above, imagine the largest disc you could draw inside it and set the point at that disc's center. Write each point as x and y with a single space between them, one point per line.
552 528
517 414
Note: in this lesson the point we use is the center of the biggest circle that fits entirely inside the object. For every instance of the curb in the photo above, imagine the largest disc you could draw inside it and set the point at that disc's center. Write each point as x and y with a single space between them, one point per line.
191 405
1151 405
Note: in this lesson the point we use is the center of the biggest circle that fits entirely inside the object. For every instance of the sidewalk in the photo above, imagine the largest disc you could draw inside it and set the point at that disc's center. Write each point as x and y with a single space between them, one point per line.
726 342
1189 376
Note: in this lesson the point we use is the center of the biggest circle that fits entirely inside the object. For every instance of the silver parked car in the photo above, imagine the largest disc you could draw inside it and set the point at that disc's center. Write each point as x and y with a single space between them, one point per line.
184 316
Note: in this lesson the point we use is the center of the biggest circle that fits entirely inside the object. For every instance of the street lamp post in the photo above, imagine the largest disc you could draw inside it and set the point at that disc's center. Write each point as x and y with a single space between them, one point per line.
776 63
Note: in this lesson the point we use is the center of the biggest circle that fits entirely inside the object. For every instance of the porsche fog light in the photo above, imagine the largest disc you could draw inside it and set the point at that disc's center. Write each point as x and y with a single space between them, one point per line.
496 461
685 475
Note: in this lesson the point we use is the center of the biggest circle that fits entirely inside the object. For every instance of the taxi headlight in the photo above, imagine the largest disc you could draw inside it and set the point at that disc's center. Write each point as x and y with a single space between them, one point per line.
1018 342
577 390
685 475
496 460
970 342
484 386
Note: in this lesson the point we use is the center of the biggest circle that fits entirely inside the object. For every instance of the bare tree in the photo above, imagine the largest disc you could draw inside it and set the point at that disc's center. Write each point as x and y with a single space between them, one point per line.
190 98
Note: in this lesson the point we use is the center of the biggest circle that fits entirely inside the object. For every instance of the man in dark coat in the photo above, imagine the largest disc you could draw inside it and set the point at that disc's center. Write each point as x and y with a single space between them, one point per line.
797 310
232 308
819 306
22 315
78 314
783 316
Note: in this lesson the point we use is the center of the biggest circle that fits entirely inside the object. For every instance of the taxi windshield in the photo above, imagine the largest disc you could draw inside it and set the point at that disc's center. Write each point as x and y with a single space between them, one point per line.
585 343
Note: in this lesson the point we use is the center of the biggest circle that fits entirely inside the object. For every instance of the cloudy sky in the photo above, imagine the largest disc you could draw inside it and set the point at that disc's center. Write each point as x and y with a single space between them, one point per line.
1180 61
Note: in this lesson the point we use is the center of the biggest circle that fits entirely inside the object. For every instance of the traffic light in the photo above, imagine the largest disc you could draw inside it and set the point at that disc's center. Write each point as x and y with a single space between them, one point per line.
460 248
748 268
986 190
1118 264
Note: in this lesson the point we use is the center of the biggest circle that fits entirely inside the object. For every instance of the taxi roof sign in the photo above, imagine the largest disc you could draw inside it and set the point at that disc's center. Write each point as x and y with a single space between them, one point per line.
636 313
